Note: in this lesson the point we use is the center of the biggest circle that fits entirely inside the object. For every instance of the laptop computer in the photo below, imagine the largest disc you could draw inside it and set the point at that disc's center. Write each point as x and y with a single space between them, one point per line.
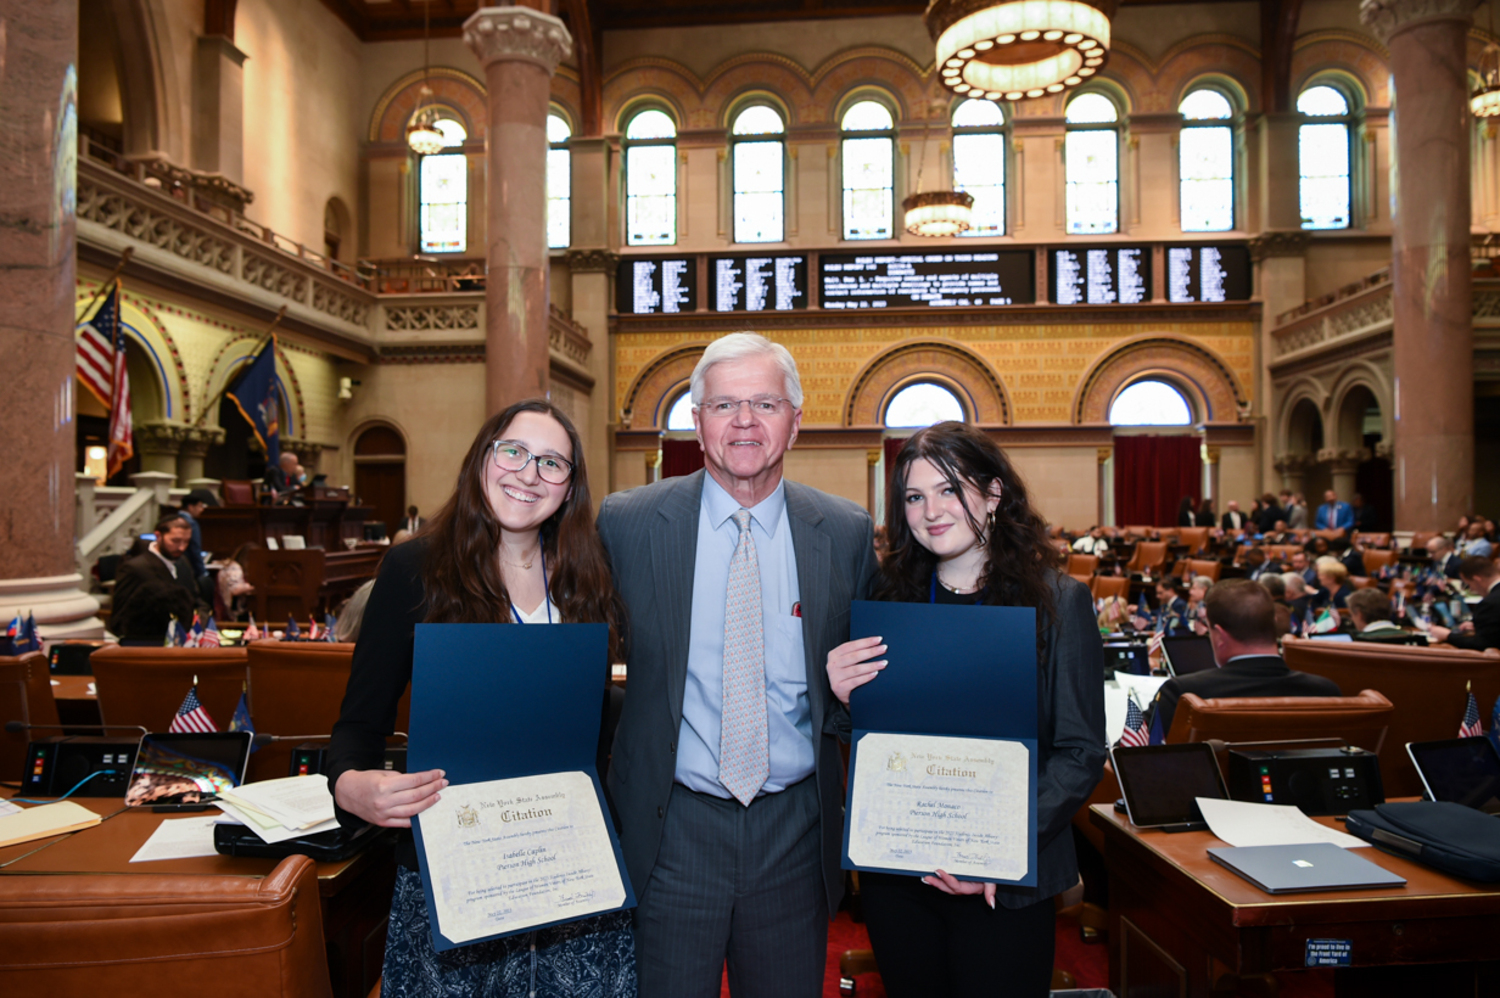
1161 784
1186 654
1129 657
1459 770
1313 866
187 769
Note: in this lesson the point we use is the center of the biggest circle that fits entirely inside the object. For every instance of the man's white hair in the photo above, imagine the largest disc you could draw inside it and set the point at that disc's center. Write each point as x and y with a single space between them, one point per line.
1294 582
738 346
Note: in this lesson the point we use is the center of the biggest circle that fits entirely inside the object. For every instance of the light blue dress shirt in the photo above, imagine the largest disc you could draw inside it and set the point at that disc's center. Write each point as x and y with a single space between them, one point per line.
788 714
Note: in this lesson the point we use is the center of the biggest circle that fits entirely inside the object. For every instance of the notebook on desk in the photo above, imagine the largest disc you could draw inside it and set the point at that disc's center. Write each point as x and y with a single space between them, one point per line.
1313 866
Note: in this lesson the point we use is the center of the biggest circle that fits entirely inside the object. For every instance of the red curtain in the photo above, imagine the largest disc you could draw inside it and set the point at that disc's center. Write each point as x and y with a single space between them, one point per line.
893 447
1152 474
680 457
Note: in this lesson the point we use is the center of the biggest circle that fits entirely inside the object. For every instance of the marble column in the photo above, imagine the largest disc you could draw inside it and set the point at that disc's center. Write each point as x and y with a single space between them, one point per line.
158 445
38 270
520 49
1433 336
195 445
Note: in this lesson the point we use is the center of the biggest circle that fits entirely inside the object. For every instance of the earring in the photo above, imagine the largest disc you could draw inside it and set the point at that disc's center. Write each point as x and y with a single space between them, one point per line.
989 525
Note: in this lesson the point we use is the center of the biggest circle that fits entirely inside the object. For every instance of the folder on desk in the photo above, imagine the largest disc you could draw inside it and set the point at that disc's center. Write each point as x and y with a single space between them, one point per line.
954 672
505 701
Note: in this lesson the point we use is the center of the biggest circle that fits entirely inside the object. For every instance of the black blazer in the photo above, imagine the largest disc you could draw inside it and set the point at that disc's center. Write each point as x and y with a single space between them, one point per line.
1226 522
652 536
148 595
1260 676
1486 624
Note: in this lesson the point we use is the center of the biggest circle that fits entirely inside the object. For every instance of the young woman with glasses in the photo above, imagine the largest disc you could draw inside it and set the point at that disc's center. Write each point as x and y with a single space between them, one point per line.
515 543
962 531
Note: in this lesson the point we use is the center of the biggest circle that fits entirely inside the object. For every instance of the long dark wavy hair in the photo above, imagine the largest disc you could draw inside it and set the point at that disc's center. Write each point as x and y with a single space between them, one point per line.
461 576
1020 561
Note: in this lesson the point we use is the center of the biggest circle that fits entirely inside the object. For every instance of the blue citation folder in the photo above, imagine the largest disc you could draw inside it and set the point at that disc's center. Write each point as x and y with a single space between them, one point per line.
953 671
501 701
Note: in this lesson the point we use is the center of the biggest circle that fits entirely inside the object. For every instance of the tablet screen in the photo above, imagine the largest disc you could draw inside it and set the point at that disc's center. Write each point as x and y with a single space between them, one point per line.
1460 770
1188 654
187 768
1160 782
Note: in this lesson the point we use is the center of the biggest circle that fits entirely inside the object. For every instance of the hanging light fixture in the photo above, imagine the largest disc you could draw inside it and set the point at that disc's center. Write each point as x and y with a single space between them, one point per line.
936 213
422 136
1017 49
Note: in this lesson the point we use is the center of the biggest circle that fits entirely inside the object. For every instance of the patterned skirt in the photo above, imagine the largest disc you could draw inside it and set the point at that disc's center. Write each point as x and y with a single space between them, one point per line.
591 958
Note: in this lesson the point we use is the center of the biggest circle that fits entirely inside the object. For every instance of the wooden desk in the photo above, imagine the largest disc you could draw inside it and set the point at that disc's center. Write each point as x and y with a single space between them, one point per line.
77 704
1180 924
355 894
303 583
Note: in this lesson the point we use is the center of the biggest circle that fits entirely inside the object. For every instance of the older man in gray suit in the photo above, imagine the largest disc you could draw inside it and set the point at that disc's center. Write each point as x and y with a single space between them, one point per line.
726 770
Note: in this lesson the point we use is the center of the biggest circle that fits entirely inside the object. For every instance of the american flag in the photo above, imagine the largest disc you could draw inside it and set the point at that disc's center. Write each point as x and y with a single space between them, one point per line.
191 717
101 367
1154 643
1471 727
252 633
313 633
192 632
210 635
1135 734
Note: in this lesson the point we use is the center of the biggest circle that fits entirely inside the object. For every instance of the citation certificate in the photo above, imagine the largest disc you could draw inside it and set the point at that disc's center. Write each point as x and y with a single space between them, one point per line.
924 802
508 855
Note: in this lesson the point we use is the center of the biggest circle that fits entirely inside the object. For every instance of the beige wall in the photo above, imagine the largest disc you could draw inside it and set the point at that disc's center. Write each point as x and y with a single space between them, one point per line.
1063 482
837 472
1237 478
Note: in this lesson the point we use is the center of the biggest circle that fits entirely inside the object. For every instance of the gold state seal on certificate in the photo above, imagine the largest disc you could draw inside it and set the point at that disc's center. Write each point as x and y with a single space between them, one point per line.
507 855
924 802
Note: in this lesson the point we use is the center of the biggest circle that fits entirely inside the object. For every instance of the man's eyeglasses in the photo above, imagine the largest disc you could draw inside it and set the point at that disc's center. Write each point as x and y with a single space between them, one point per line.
511 456
764 406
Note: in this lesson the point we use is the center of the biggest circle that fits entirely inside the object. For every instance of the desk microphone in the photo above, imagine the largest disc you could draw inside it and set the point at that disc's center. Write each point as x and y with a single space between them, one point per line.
20 727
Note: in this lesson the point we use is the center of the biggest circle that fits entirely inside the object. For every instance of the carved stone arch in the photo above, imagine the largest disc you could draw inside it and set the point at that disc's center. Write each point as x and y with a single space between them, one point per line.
1223 60
653 99
567 92
653 79
871 90
1126 79
977 385
1305 389
228 363
1210 385
154 115
1357 59
755 84
903 81
1241 97
370 422
454 89
645 401
1357 375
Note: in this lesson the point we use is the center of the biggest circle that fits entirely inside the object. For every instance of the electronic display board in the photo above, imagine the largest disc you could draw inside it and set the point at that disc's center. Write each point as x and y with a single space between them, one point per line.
757 283
1100 275
656 285
1208 273
950 279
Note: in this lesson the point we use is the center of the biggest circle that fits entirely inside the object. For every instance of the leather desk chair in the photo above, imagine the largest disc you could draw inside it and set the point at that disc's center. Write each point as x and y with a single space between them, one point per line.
1330 535
145 686
238 493
1426 685
1144 533
25 696
1105 586
1082 564
164 935
1361 720
1193 538
1148 554
1375 560
1376 541
1421 537
297 688
1203 566
1363 582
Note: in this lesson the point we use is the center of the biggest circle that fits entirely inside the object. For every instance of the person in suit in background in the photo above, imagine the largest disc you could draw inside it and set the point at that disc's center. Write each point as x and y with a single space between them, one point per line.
1442 560
413 522
1297 597
1187 512
1364 516
1242 629
1334 514
963 533
1205 516
280 479
1296 513
1270 513
1371 614
1481 575
1298 563
1353 559
1233 519
155 586
1473 541
726 771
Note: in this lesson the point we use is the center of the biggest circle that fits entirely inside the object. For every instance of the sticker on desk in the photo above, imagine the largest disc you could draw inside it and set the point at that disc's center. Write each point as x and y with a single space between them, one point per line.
1329 952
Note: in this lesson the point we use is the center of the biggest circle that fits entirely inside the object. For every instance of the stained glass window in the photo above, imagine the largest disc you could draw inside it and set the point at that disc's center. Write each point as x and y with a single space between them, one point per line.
680 416
1206 162
651 180
759 185
922 404
1091 153
559 182
1150 403
869 171
444 185
1323 158
979 163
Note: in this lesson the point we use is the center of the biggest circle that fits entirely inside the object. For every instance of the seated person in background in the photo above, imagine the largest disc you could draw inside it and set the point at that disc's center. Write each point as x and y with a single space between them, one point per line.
1233 519
1333 584
1196 616
1474 542
1094 542
1370 612
232 585
1297 597
1114 615
1242 629
1279 534
1443 560
1255 563
1170 614
1481 575
1353 559
1299 564
281 478
140 611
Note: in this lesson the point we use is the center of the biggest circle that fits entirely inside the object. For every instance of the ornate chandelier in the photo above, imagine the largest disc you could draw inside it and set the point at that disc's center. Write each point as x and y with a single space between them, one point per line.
1016 49
422 136
938 213
1485 102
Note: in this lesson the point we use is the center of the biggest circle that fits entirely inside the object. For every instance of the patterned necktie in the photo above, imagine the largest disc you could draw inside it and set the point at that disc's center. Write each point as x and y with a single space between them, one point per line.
744 752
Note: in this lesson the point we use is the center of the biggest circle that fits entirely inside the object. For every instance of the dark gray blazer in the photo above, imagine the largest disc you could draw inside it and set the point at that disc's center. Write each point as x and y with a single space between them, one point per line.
652 537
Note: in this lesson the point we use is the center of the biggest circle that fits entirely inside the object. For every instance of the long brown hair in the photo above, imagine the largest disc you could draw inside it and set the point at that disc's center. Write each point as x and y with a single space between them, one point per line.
1020 561
461 575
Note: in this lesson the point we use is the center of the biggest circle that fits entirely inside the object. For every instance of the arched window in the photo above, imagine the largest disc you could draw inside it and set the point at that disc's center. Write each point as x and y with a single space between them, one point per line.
680 416
759 158
868 156
979 163
922 404
1206 162
1150 403
443 183
651 180
1092 159
559 183
1323 158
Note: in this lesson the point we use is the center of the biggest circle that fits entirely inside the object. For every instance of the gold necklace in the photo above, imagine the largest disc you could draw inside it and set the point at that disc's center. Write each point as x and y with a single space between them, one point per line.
525 566
955 589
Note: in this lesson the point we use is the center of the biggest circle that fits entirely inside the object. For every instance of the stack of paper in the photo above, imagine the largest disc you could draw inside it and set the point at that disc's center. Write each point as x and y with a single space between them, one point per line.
278 810
180 838
1244 823
41 822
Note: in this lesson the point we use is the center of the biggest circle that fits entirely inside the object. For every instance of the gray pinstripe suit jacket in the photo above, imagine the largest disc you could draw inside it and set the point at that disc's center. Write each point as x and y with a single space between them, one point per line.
652 536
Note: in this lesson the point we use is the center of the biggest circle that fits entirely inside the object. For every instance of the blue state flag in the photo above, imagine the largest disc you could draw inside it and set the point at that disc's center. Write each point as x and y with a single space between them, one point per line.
255 395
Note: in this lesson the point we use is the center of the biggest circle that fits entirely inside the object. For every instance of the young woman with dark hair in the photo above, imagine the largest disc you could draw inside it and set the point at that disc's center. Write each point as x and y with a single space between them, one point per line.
963 531
514 543
1187 512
